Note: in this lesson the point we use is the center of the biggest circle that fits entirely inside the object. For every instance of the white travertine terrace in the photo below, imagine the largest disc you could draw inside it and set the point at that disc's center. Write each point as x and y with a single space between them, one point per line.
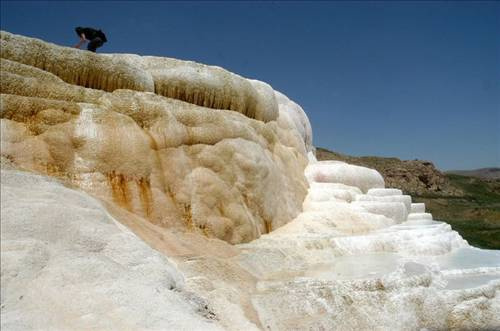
194 165
418 207
343 173
405 199
394 210
217 174
84 69
66 264
419 216
202 85
384 191
375 262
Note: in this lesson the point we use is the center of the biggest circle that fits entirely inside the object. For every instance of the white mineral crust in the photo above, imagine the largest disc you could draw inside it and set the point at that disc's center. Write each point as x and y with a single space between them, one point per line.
67 264
149 193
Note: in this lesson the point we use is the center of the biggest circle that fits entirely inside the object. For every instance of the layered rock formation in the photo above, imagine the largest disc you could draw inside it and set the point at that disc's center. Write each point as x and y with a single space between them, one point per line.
227 160
216 173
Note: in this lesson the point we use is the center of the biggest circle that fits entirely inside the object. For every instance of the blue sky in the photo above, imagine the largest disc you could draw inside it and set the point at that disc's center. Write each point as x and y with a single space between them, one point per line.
404 79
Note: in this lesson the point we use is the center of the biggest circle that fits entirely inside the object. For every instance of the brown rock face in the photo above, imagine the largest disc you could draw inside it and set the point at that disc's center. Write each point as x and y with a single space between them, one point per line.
414 177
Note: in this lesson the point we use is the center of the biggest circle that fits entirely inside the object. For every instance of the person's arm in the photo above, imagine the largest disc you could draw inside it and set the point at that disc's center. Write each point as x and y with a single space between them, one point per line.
82 40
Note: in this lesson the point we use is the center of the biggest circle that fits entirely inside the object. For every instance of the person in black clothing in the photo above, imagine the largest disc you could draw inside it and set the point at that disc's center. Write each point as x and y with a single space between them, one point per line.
96 37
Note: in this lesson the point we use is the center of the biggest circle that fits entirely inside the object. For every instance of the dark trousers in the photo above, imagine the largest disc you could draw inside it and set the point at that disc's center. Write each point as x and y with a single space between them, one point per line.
94 44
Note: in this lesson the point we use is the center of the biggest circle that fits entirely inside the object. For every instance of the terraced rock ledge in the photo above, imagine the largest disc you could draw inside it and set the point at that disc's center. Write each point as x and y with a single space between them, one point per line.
149 193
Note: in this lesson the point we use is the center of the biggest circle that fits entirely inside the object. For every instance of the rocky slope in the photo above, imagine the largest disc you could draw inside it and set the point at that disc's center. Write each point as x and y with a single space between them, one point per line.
415 177
148 193
483 173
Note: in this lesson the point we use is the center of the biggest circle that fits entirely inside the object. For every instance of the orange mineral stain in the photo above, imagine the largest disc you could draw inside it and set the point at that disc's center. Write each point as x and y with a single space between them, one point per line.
119 188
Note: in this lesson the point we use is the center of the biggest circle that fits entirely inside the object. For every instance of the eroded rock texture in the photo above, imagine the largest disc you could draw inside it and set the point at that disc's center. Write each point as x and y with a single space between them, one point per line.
183 144
217 174
67 264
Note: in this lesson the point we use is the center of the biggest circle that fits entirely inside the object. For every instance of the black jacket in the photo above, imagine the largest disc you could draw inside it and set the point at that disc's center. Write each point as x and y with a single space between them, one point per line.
90 33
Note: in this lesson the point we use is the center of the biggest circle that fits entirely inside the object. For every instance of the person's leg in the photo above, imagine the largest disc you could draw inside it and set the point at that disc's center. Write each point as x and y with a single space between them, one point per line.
94 44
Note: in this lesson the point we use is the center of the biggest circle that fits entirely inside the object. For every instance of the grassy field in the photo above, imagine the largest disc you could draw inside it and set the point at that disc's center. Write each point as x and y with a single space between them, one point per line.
476 215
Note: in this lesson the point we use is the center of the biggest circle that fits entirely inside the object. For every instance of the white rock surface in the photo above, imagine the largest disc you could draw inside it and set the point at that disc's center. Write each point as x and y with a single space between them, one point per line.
208 151
405 199
384 191
417 208
419 216
415 275
394 210
192 158
343 173
67 265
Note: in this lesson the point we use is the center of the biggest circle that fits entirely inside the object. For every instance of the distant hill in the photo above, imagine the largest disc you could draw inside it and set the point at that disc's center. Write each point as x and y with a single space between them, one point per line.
483 173
414 177
468 200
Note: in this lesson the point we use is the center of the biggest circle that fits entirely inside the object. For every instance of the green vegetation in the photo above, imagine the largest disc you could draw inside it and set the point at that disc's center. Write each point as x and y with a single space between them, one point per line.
475 215
478 233
471 205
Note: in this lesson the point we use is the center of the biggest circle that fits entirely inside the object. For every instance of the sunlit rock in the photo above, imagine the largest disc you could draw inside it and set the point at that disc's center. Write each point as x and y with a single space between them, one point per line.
394 210
419 216
343 173
194 165
405 199
417 208
384 191
67 264
195 83
216 173
292 115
